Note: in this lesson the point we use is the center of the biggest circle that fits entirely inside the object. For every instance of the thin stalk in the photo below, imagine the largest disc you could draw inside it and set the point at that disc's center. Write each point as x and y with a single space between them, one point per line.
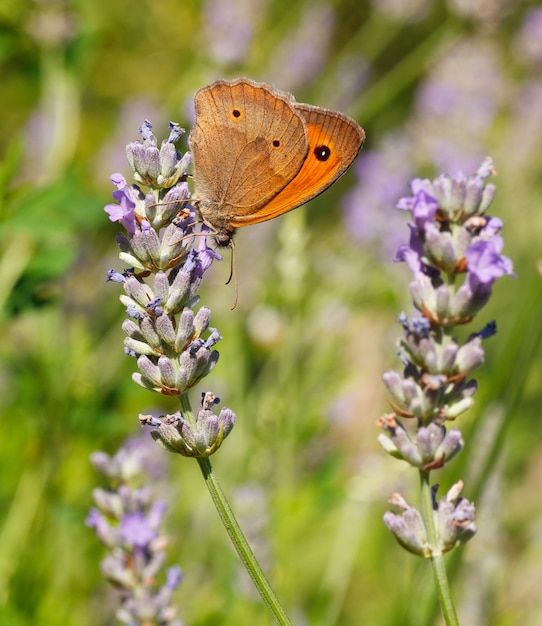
241 544
234 531
437 558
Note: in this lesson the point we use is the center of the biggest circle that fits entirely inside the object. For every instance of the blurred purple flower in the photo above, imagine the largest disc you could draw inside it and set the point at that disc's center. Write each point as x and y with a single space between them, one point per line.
136 461
454 112
301 55
457 104
229 28
174 577
135 529
127 521
382 175
522 130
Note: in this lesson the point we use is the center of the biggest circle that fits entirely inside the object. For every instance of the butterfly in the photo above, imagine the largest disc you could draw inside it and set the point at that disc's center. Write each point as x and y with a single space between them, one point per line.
257 153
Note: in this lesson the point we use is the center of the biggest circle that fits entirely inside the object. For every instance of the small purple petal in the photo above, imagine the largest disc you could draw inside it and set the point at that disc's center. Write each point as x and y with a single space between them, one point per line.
123 211
115 277
174 577
136 530
485 263
424 209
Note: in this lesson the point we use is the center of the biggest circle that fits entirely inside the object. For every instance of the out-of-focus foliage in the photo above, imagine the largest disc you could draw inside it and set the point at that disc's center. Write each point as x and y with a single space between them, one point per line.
437 86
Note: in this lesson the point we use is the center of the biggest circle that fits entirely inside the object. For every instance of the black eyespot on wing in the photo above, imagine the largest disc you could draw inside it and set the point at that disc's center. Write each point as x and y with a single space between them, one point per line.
236 113
322 153
276 143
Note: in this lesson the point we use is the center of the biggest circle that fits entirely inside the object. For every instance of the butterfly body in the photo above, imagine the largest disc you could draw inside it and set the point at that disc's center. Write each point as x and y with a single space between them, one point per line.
258 153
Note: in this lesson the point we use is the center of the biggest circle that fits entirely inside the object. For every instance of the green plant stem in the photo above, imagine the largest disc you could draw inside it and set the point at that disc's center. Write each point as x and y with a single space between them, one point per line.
437 558
241 544
234 530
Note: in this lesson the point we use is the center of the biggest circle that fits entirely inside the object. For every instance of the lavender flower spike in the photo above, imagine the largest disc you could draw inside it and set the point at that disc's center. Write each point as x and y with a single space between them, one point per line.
455 257
171 340
173 345
128 521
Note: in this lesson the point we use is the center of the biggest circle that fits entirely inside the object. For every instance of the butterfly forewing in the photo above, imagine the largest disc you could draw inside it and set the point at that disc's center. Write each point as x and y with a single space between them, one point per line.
247 145
334 142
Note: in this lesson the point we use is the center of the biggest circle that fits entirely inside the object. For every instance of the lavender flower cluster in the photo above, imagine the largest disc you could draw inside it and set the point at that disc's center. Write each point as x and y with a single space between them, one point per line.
127 520
173 345
455 257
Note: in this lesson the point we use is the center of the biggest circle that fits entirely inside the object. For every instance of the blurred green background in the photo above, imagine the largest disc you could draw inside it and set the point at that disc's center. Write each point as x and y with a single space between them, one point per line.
437 86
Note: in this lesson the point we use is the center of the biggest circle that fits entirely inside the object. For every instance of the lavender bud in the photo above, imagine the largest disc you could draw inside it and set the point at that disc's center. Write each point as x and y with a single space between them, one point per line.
131 329
469 356
451 445
161 286
403 447
132 261
149 370
169 161
138 291
408 527
179 292
428 439
455 521
166 330
453 411
146 326
176 434
201 321
146 247
449 355
140 347
167 372
440 248
394 383
175 246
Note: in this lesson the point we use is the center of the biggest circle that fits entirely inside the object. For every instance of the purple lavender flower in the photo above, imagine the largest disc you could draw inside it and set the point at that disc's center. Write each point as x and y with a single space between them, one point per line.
163 333
457 103
122 212
452 235
485 263
451 238
128 521
136 531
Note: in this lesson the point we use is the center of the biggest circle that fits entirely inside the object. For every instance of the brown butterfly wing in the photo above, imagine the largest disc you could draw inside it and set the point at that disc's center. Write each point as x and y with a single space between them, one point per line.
334 142
248 143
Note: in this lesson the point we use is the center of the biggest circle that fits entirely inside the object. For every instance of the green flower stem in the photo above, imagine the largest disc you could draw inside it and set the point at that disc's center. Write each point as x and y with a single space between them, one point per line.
234 530
241 544
437 558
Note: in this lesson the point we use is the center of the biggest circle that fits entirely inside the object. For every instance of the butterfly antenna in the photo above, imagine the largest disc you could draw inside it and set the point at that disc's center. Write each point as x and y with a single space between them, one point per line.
233 274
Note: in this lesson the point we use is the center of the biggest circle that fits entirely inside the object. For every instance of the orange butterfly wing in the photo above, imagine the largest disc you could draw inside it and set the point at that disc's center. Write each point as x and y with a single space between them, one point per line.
334 142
